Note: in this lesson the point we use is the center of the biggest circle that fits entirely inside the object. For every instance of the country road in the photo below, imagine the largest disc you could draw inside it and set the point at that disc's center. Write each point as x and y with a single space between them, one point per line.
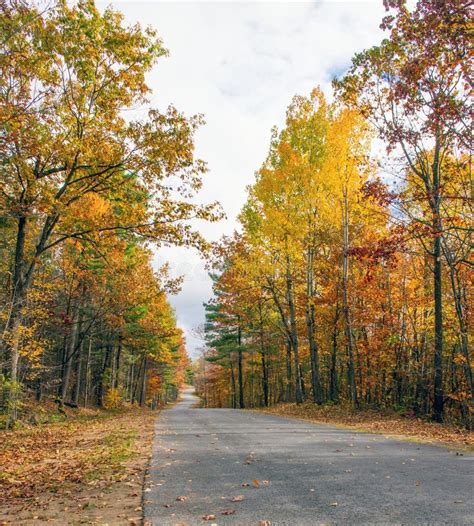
205 462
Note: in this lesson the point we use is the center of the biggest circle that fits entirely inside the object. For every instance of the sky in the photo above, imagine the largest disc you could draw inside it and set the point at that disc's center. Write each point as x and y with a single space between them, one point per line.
239 64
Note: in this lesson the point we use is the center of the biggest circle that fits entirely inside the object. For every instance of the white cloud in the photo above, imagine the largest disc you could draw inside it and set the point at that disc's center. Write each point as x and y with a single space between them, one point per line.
240 64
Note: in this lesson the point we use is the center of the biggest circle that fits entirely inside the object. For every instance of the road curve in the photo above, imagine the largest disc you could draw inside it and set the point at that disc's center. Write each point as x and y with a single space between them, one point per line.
305 474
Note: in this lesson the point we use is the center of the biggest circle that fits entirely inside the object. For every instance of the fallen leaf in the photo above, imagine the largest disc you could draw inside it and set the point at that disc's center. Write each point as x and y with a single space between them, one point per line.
238 498
209 517
181 498
264 523
256 483
228 512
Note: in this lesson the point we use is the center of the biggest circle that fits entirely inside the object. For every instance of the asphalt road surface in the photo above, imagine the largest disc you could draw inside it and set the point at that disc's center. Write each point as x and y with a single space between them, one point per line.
255 467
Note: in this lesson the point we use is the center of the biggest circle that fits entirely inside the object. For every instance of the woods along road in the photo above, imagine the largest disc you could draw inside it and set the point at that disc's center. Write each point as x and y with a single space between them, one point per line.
227 466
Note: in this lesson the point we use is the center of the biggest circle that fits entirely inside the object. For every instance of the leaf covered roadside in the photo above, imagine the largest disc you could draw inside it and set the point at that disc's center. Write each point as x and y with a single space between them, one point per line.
89 470
385 422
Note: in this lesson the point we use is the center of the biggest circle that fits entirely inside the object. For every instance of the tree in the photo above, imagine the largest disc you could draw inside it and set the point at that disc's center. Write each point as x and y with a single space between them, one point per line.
67 74
414 89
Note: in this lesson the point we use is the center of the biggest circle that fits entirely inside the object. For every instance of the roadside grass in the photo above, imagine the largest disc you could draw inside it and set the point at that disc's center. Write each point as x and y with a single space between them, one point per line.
90 464
388 423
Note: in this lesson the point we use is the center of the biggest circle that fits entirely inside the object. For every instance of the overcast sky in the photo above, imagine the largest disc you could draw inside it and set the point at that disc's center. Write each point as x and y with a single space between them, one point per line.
239 64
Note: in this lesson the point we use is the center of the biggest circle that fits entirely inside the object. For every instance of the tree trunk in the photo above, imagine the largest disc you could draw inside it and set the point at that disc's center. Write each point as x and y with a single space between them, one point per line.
264 363
463 333
240 365
294 334
333 380
105 366
345 299
77 388
233 394
144 379
438 401
117 366
69 352
289 373
311 327
18 300
88 373
264 380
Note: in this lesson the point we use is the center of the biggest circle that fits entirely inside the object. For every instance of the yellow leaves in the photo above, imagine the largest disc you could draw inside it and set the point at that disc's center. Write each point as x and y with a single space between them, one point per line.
459 359
113 399
92 207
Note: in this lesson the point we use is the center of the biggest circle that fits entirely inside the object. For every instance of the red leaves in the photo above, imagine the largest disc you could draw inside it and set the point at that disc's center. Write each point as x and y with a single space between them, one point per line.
384 249
379 191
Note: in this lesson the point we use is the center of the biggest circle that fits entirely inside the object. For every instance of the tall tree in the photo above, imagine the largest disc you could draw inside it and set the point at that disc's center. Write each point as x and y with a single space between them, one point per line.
66 75
415 89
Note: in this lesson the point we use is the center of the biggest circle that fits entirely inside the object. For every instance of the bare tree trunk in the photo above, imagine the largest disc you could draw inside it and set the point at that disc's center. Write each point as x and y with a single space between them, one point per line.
117 365
294 333
69 354
144 380
77 388
289 373
233 394
105 366
22 280
263 359
240 368
311 327
14 321
463 332
88 373
333 380
132 372
438 402
346 310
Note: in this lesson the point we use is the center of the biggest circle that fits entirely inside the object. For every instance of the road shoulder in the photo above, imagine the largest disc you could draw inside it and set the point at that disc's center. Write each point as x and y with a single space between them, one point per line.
389 424
88 471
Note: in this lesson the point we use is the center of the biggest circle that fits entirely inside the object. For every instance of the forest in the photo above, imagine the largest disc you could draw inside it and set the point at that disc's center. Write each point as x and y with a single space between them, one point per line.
336 344
350 278
87 192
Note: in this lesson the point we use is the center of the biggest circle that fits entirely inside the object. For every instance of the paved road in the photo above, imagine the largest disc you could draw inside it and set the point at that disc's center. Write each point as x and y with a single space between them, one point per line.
303 469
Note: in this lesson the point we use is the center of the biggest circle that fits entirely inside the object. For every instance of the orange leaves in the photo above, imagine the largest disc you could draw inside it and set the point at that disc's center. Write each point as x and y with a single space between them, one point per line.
86 183
87 468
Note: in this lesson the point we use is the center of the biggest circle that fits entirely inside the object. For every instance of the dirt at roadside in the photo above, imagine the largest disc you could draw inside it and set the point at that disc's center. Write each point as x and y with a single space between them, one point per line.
82 472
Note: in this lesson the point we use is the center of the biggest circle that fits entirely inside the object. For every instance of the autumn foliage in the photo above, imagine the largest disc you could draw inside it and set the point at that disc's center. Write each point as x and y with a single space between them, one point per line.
87 191
350 278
